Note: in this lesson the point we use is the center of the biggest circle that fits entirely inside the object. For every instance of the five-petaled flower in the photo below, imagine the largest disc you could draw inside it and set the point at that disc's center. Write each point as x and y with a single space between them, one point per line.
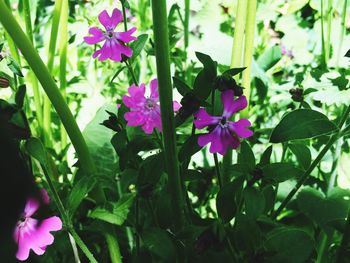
114 42
33 234
223 133
144 111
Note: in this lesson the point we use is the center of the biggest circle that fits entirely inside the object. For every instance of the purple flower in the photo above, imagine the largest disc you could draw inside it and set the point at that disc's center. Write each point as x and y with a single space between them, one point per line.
144 111
32 234
114 42
223 133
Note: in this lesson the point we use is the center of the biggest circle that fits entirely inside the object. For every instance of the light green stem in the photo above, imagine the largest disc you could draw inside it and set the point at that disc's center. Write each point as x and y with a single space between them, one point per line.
161 37
329 28
248 50
50 63
324 55
342 32
63 60
113 248
34 81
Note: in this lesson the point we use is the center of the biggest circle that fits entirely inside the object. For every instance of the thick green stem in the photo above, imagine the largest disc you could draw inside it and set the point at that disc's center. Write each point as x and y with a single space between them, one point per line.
82 245
49 85
342 31
248 50
34 81
187 23
318 159
63 60
50 63
161 37
113 248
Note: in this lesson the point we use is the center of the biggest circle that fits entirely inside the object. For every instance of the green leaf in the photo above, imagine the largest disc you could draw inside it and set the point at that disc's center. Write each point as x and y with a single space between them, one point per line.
270 57
114 213
261 89
228 199
159 243
296 5
302 124
210 66
151 171
14 67
254 202
79 191
347 54
138 45
341 82
20 94
280 172
265 157
302 153
246 156
289 245
324 210
37 150
234 71
117 73
247 235
189 148
181 86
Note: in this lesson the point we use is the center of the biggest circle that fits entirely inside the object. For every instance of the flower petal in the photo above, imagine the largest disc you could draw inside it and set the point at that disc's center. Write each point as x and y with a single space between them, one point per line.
204 119
176 106
108 22
126 36
230 105
137 99
31 207
134 118
97 36
154 89
240 128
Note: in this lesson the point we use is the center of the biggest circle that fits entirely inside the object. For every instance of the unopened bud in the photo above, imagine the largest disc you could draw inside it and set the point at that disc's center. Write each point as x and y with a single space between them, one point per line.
4 82
297 94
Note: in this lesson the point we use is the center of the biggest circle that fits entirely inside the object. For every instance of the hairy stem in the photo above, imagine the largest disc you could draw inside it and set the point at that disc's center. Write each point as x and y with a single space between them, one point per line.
161 37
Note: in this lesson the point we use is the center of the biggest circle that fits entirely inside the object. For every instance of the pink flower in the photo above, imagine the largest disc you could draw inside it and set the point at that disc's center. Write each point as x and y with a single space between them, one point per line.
223 133
32 234
114 42
144 111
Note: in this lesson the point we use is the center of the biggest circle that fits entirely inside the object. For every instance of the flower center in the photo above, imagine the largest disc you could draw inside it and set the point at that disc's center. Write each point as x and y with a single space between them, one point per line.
109 34
223 122
150 104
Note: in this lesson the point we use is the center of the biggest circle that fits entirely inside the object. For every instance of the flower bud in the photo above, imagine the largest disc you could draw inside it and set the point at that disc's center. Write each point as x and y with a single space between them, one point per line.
297 94
112 123
4 82
226 82
190 104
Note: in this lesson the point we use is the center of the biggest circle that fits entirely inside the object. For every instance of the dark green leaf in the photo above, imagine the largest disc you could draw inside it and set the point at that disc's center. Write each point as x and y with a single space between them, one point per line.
209 64
228 199
234 71
261 89
159 243
189 148
37 150
14 67
246 156
20 94
265 158
254 202
302 124
79 191
181 86
302 153
289 245
341 82
117 73
280 172
347 54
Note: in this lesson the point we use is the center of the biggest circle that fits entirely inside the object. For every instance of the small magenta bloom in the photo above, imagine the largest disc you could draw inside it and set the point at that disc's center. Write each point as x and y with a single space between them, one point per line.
144 111
114 42
223 133
33 234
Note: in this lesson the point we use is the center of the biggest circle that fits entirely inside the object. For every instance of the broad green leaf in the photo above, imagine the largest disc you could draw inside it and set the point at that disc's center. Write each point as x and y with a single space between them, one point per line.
302 124
37 150
138 45
234 71
324 210
280 172
181 86
261 89
270 57
288 245
228 199
159 243
114 213
247 235
254 202
79 191
302 153
265 157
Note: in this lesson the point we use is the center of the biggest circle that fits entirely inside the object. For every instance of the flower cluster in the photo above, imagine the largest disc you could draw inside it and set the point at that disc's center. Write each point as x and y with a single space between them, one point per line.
32 234
223 133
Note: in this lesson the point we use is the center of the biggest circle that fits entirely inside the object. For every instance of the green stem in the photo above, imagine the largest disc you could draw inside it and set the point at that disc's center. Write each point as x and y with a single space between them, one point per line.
132 73
318 159
50 63
342 31
124 16
187 23
248 50
49 85
74 247
324 55
329 28
161 37
82 245
63 60
113 248
217 169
